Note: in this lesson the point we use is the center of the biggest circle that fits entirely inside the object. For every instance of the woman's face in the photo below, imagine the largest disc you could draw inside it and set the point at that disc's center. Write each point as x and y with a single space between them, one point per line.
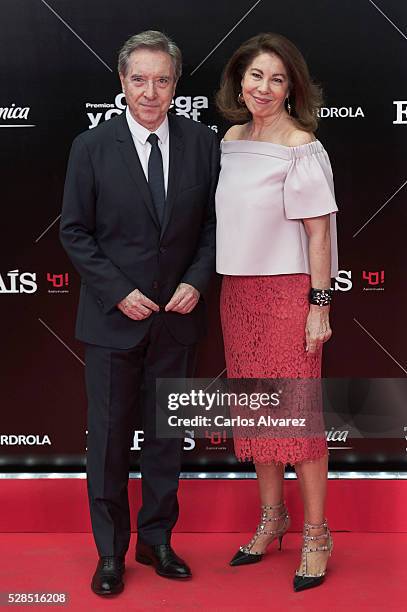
265 85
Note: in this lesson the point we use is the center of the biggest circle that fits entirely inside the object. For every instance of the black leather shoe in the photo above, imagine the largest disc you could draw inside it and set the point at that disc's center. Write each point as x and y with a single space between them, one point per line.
301 583
164 559
244 558
302 579
108 578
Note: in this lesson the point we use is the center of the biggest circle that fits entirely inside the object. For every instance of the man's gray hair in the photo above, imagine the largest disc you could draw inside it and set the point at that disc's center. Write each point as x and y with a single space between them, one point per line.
155 41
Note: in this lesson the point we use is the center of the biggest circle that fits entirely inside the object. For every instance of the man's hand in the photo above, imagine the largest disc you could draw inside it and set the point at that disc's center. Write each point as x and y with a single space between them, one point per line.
317 330
184 299
137 306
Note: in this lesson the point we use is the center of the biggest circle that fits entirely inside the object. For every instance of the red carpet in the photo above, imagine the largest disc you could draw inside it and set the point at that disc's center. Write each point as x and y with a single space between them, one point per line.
60 505
366 572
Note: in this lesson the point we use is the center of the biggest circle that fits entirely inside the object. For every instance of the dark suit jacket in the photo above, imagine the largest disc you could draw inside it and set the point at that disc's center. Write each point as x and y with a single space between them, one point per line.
110 230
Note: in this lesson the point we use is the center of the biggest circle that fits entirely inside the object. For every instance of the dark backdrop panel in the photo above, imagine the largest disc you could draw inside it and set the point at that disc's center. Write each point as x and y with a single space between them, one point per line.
58 77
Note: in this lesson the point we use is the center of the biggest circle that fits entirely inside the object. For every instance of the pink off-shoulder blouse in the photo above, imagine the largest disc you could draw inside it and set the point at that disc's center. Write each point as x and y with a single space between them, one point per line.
264 192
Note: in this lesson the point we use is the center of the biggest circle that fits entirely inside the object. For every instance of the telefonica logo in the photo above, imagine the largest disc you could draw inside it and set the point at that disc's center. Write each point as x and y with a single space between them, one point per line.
13 115
341 112
24 440
336 435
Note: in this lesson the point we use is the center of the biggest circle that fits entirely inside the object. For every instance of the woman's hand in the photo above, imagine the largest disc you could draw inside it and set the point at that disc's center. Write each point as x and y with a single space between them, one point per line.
317 329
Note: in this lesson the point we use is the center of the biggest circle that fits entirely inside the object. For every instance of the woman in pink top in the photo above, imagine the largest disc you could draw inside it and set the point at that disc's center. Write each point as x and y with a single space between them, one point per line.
276 247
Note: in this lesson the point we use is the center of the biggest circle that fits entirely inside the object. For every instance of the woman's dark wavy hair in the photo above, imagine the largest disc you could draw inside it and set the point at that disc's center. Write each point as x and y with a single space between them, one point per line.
305 95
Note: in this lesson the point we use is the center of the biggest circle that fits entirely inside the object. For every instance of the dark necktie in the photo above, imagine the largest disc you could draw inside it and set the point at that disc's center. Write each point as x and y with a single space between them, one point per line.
156 177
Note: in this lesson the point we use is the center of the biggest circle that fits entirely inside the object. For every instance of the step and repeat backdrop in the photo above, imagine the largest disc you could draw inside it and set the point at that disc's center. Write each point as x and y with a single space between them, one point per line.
58 78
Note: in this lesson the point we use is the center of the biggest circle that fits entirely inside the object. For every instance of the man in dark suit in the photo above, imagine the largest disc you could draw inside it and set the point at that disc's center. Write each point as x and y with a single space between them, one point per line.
138 224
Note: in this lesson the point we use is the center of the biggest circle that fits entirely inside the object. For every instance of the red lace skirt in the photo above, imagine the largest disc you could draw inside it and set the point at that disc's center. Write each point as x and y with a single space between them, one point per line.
263 321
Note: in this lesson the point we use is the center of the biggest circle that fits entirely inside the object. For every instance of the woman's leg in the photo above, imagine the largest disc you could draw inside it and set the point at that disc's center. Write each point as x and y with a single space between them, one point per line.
312 478
270 479
271 483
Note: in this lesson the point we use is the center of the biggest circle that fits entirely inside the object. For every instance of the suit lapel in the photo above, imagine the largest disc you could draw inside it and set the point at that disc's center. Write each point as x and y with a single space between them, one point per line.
175 166
131 159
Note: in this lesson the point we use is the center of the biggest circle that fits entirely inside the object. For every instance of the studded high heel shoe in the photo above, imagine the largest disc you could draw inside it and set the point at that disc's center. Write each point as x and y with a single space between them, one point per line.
306 578
244 556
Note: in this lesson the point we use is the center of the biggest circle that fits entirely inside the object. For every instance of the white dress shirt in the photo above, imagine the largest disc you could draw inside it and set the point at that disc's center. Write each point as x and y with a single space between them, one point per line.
143 148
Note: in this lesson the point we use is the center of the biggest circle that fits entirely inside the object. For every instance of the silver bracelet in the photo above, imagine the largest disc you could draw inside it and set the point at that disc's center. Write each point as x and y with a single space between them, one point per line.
320 297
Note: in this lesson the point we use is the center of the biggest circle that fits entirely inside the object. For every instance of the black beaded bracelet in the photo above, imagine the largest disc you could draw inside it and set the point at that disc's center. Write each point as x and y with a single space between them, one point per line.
320 297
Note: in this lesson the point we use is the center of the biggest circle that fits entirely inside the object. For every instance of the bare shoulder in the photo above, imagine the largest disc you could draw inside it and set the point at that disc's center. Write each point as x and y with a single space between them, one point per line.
234 133
296 138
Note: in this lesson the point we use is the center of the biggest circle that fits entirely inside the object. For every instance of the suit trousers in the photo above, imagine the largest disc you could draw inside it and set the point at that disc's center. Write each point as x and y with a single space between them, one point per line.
120 382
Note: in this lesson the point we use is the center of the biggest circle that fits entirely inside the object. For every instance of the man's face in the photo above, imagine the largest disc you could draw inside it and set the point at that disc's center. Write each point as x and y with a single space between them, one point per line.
149 86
